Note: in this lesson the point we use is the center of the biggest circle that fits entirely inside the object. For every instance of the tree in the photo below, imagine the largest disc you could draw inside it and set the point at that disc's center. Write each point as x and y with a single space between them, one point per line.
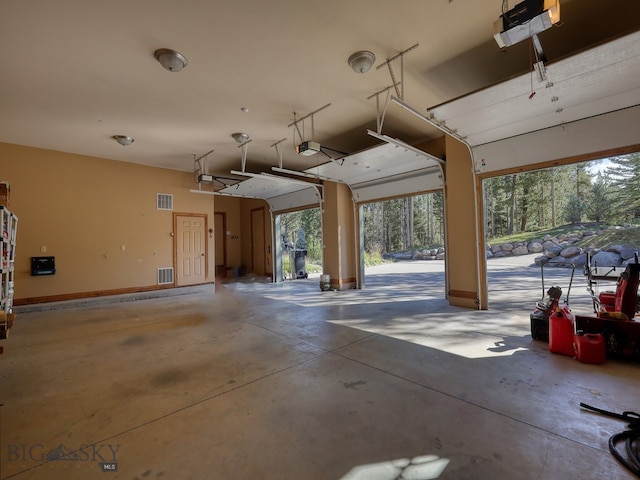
625 186
512 210
574 210
600 205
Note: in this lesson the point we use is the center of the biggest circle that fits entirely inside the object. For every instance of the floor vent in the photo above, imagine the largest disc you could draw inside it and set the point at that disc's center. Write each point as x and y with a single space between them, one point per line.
164 201
165 275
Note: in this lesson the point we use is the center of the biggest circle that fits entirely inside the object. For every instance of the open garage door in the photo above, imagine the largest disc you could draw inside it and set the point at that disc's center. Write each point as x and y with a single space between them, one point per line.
586 103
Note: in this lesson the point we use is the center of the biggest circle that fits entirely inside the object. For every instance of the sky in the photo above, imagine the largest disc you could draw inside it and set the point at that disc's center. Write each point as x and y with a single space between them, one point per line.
598 166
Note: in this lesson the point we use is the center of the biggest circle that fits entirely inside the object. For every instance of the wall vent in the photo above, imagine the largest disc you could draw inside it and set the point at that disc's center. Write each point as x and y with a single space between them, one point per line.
165 275
164 201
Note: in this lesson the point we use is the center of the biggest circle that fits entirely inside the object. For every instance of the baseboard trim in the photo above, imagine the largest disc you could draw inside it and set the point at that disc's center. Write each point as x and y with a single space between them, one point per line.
54 302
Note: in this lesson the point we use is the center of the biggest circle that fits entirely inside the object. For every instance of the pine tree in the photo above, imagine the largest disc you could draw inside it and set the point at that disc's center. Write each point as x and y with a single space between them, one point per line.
625 186
600 205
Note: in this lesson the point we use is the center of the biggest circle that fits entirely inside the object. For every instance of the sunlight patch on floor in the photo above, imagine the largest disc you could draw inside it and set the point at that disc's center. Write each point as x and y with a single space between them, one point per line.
459 336
426 467
350 297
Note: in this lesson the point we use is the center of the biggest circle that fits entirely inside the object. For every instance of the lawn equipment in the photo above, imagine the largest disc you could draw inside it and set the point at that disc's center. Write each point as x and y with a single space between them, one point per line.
611 301
615 311
548 306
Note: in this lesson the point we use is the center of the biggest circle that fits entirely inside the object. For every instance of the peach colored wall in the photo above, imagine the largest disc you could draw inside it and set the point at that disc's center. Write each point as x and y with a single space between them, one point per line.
231 206
246 207
83 210
462 248
339 254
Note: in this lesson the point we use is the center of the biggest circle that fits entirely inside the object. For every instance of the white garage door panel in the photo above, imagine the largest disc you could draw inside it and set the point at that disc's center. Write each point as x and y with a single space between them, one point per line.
293 200
598 81
406 186
578 138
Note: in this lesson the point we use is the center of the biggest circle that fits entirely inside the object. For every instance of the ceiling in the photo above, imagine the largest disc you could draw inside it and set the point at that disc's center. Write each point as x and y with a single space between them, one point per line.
76 73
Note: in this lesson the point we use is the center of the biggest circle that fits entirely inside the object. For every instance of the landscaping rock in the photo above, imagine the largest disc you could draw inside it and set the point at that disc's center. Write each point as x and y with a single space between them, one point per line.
557 252
520 250
609 259
570 252
553 251
579 260
535 247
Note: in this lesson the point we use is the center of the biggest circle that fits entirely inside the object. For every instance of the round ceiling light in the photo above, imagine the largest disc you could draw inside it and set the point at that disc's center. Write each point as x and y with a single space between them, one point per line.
170 59
361 62
240 137
123 140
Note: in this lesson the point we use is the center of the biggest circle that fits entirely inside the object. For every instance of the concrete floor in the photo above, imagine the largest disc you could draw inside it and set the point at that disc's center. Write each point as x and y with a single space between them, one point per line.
265 381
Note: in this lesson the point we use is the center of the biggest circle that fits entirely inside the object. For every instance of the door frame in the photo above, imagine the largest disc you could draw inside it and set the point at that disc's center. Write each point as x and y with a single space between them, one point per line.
223 241
264 241
175 243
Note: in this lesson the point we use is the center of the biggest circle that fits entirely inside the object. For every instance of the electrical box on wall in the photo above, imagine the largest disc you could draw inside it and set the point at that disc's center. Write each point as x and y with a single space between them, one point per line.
43 265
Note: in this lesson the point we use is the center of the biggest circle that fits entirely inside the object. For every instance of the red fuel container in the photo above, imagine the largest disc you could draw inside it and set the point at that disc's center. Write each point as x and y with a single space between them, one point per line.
607 301
561 332
590 348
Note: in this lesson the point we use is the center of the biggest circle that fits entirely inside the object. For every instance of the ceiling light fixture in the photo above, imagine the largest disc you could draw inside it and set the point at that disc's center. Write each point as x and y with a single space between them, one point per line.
362 61
123 140
170 59
240 137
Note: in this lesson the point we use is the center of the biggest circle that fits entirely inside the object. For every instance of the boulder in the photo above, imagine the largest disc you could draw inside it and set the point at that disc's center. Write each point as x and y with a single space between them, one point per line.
570 252
606 259
520 250
535 247
553 251
541 259
579 260
548 244
507 247
628 253
615 249
559 262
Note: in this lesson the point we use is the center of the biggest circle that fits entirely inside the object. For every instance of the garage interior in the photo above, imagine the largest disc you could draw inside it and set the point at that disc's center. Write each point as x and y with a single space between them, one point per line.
202 377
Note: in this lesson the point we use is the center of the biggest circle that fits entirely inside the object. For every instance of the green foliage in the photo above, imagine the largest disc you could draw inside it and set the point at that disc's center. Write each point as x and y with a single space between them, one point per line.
541 199
624 175
599 208
303 229
574 209
375 258
403 223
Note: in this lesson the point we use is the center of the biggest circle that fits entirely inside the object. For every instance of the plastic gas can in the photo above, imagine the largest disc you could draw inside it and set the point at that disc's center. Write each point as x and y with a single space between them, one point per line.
590 348
561 332
607 301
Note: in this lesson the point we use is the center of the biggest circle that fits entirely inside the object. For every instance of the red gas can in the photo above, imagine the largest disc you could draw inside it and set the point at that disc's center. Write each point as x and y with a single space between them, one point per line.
607 301
561 332
589 347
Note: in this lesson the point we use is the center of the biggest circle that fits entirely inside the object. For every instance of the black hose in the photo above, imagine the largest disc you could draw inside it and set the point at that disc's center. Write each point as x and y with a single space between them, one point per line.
630 459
